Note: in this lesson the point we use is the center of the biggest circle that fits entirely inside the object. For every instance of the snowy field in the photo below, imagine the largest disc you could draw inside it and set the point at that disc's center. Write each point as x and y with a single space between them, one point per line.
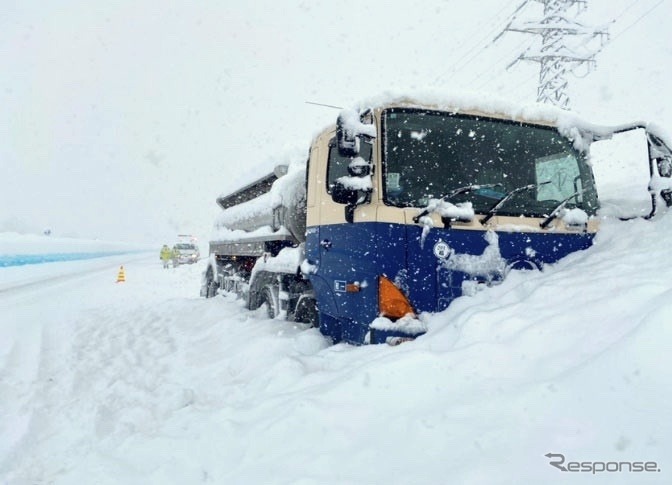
125 120
144 382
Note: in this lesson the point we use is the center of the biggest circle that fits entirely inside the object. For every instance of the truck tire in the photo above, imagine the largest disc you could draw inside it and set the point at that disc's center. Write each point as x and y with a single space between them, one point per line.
269 296
306 310
212 289
211 286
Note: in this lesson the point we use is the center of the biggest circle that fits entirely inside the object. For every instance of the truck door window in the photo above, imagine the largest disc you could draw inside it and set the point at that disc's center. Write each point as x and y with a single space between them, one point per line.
338 164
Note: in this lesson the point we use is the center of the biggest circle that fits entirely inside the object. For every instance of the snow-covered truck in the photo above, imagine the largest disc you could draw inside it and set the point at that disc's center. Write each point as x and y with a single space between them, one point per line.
403 207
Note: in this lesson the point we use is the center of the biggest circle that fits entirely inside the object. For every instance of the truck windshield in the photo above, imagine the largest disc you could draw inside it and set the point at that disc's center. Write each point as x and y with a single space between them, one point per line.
428 154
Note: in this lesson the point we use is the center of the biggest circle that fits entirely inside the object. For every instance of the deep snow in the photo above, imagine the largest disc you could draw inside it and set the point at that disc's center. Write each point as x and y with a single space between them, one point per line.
145 382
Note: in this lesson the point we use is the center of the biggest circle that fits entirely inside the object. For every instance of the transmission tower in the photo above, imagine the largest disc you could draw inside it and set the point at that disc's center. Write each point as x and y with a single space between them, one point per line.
566 45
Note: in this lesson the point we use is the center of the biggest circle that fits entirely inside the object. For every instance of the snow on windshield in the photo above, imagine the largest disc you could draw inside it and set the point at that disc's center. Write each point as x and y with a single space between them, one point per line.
428 154
574 217
463 212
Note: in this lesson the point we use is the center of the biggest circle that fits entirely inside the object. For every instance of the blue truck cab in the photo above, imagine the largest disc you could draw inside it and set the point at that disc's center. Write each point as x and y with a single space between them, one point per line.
410 206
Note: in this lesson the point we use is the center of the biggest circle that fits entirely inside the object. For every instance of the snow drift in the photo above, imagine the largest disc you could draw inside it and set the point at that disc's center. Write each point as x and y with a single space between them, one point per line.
147 383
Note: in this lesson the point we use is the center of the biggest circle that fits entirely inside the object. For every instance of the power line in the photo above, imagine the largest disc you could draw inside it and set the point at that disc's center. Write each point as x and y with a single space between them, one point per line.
638 19
475 46
625 10
504 58
487 36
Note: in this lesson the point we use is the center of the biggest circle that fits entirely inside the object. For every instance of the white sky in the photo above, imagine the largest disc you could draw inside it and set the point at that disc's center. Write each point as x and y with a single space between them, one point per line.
126 120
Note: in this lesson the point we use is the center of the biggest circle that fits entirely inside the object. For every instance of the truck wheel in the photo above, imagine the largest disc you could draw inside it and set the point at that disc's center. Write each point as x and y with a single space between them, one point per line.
306 311
212 289
270 298
210 284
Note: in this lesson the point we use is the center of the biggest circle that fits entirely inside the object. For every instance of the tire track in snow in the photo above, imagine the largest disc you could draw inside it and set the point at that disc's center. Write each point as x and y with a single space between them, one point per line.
93 373
125 362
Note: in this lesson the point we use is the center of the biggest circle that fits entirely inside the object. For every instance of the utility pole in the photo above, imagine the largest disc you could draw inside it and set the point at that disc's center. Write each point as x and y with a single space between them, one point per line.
565 47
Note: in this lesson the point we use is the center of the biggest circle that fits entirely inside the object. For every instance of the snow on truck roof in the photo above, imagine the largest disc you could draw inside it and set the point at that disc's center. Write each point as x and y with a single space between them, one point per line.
251 207
569 124
472 103
248 192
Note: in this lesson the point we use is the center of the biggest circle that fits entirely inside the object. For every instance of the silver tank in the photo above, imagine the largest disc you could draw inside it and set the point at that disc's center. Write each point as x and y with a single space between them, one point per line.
277 200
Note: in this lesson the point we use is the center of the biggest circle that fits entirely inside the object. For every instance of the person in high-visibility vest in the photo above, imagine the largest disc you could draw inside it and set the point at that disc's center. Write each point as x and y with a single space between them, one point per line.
166 255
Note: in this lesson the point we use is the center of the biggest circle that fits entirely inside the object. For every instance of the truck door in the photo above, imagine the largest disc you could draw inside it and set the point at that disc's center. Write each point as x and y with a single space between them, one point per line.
343 255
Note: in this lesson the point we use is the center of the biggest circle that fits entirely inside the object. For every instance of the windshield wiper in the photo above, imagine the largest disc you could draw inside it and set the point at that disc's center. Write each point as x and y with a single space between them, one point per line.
454 193
495 208
556 212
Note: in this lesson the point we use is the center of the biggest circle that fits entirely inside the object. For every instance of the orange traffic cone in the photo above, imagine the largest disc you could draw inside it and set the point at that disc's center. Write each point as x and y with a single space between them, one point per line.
121 277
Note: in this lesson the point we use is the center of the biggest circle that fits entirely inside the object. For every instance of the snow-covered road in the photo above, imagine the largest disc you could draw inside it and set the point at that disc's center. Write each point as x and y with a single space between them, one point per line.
88 363
145 382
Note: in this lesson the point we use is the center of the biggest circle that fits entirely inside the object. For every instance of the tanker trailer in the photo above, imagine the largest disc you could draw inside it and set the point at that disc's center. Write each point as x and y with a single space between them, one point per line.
257 246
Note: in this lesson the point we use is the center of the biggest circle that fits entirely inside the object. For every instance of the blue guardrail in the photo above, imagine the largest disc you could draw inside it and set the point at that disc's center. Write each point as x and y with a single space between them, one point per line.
23 259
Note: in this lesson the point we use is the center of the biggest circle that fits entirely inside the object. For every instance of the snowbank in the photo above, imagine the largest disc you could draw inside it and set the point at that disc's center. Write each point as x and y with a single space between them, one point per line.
144 382
15 243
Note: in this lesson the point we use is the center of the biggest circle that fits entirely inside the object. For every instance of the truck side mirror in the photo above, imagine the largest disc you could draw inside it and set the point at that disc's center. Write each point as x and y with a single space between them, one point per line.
660 158
348 142
664 166
350 127
355 188
351 197
342 195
